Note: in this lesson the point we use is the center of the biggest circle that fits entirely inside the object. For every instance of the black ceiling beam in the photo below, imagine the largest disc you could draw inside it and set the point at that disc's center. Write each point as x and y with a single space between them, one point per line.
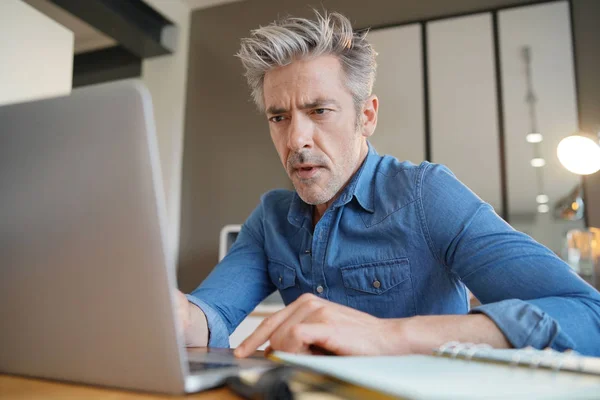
132 23
105 65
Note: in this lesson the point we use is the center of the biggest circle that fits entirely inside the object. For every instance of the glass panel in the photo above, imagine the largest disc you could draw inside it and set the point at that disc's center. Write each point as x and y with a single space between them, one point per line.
399 86
464 112
539 95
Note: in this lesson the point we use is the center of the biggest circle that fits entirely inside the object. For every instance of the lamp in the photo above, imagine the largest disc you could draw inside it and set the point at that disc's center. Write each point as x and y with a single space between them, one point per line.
579 154
571 206
534 137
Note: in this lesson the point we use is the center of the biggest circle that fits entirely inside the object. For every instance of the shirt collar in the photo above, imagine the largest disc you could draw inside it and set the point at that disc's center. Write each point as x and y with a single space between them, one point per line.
360 186
299 212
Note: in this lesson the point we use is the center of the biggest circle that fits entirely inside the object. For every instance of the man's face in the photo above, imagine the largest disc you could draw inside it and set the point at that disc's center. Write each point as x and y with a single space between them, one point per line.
313 124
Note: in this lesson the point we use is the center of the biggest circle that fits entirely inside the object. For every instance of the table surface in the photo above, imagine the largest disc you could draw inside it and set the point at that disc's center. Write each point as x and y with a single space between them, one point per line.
15 387
18 387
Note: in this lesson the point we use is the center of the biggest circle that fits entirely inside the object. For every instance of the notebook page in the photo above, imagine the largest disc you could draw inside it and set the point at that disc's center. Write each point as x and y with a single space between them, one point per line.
428 377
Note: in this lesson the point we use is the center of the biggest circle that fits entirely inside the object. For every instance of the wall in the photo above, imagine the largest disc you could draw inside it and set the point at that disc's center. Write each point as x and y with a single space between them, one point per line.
229 160
587 50
166 77
27 36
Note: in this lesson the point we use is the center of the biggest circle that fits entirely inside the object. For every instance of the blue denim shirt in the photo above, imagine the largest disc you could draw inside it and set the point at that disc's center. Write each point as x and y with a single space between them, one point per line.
402 240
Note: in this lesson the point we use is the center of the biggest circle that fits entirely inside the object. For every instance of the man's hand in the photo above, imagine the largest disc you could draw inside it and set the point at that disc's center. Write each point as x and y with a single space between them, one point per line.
192 322
312 323
183 311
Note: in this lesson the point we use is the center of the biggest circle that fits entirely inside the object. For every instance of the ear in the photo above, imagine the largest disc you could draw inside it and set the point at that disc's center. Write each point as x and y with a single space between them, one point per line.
369 116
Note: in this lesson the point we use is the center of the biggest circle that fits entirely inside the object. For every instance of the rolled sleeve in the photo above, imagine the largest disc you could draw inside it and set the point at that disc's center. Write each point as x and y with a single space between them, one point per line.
525 324
218 335
237 284
533 296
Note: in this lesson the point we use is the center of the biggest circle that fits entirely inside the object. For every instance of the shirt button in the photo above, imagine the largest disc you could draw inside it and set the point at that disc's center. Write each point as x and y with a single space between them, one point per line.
376 284
280 279
319 289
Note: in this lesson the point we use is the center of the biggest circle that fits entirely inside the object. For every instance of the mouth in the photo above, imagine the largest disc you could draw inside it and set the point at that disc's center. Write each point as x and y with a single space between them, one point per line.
307 171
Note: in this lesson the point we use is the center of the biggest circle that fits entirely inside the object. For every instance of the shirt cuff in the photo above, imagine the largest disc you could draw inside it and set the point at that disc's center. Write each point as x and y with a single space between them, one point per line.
218 335
525 324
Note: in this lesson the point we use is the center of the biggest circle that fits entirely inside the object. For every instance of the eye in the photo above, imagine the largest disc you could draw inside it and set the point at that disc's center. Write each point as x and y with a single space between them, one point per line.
276 118
320 111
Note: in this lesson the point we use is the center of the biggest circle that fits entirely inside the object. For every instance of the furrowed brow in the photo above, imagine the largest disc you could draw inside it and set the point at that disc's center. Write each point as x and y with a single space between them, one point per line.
318 103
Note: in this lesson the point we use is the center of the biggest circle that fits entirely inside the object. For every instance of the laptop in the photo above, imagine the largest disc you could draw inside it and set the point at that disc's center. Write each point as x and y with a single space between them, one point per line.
86 278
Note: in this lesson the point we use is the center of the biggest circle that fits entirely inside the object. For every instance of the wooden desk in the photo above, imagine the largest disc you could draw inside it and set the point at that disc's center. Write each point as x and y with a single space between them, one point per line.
18 388
21 388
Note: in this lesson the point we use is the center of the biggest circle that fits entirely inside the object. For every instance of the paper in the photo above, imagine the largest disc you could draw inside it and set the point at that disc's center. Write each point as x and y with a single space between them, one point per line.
429 377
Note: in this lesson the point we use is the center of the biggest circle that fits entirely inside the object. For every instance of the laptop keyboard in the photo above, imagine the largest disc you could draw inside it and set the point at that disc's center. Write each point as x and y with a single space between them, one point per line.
196 366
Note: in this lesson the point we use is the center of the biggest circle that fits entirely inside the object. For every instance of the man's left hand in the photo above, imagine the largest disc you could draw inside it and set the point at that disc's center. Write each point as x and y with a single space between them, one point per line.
311 324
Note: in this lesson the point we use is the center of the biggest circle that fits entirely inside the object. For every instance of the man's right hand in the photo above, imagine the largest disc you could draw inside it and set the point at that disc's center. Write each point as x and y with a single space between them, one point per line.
192 322
183 311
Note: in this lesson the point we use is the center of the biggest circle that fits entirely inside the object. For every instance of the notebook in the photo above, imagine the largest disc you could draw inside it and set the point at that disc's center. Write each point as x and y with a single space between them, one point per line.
464 371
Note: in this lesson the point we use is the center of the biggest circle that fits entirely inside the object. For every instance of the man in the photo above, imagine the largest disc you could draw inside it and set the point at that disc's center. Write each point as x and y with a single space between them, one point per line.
372 255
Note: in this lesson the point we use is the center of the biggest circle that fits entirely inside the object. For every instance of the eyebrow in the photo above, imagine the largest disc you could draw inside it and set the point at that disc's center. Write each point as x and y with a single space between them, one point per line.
306 106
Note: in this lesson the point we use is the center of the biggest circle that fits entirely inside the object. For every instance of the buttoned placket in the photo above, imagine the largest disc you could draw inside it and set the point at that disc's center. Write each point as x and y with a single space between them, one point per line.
319 251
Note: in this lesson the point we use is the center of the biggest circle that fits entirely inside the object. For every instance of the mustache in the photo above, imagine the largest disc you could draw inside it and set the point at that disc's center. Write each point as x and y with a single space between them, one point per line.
304 157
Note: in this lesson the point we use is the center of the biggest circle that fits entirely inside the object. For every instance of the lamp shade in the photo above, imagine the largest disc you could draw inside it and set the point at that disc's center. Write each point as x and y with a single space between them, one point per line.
579 154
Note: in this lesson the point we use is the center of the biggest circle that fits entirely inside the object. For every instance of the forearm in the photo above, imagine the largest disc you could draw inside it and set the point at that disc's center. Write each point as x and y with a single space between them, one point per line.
559 322
423 334
196 333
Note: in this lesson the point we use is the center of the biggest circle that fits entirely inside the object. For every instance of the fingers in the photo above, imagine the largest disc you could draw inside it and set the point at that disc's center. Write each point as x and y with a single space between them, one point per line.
326 329
268 351
312 310
285 329
317 338
269 325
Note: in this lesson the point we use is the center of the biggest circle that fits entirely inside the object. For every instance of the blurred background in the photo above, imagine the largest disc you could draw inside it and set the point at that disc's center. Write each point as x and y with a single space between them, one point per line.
488 87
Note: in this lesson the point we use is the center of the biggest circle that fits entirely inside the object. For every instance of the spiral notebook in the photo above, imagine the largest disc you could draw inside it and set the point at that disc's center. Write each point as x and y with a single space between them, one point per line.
464 371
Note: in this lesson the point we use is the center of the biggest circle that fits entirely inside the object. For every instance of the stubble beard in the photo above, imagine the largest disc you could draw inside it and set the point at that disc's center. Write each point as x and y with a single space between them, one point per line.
319 189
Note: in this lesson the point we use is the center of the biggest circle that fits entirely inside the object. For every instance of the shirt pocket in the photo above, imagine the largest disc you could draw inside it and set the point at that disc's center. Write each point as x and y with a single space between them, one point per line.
284 279
381 288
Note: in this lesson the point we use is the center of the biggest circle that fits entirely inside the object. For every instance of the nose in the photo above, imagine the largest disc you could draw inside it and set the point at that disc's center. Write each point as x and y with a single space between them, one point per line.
300 135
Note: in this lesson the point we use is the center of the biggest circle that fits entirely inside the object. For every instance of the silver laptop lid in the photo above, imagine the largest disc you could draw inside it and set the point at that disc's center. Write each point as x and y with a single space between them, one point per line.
84 276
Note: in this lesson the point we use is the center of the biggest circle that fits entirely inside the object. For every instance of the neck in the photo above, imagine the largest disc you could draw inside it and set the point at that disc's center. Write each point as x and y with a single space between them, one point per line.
319 209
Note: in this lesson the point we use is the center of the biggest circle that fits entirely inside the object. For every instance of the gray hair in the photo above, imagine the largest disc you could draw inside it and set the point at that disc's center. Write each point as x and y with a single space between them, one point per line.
282 42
